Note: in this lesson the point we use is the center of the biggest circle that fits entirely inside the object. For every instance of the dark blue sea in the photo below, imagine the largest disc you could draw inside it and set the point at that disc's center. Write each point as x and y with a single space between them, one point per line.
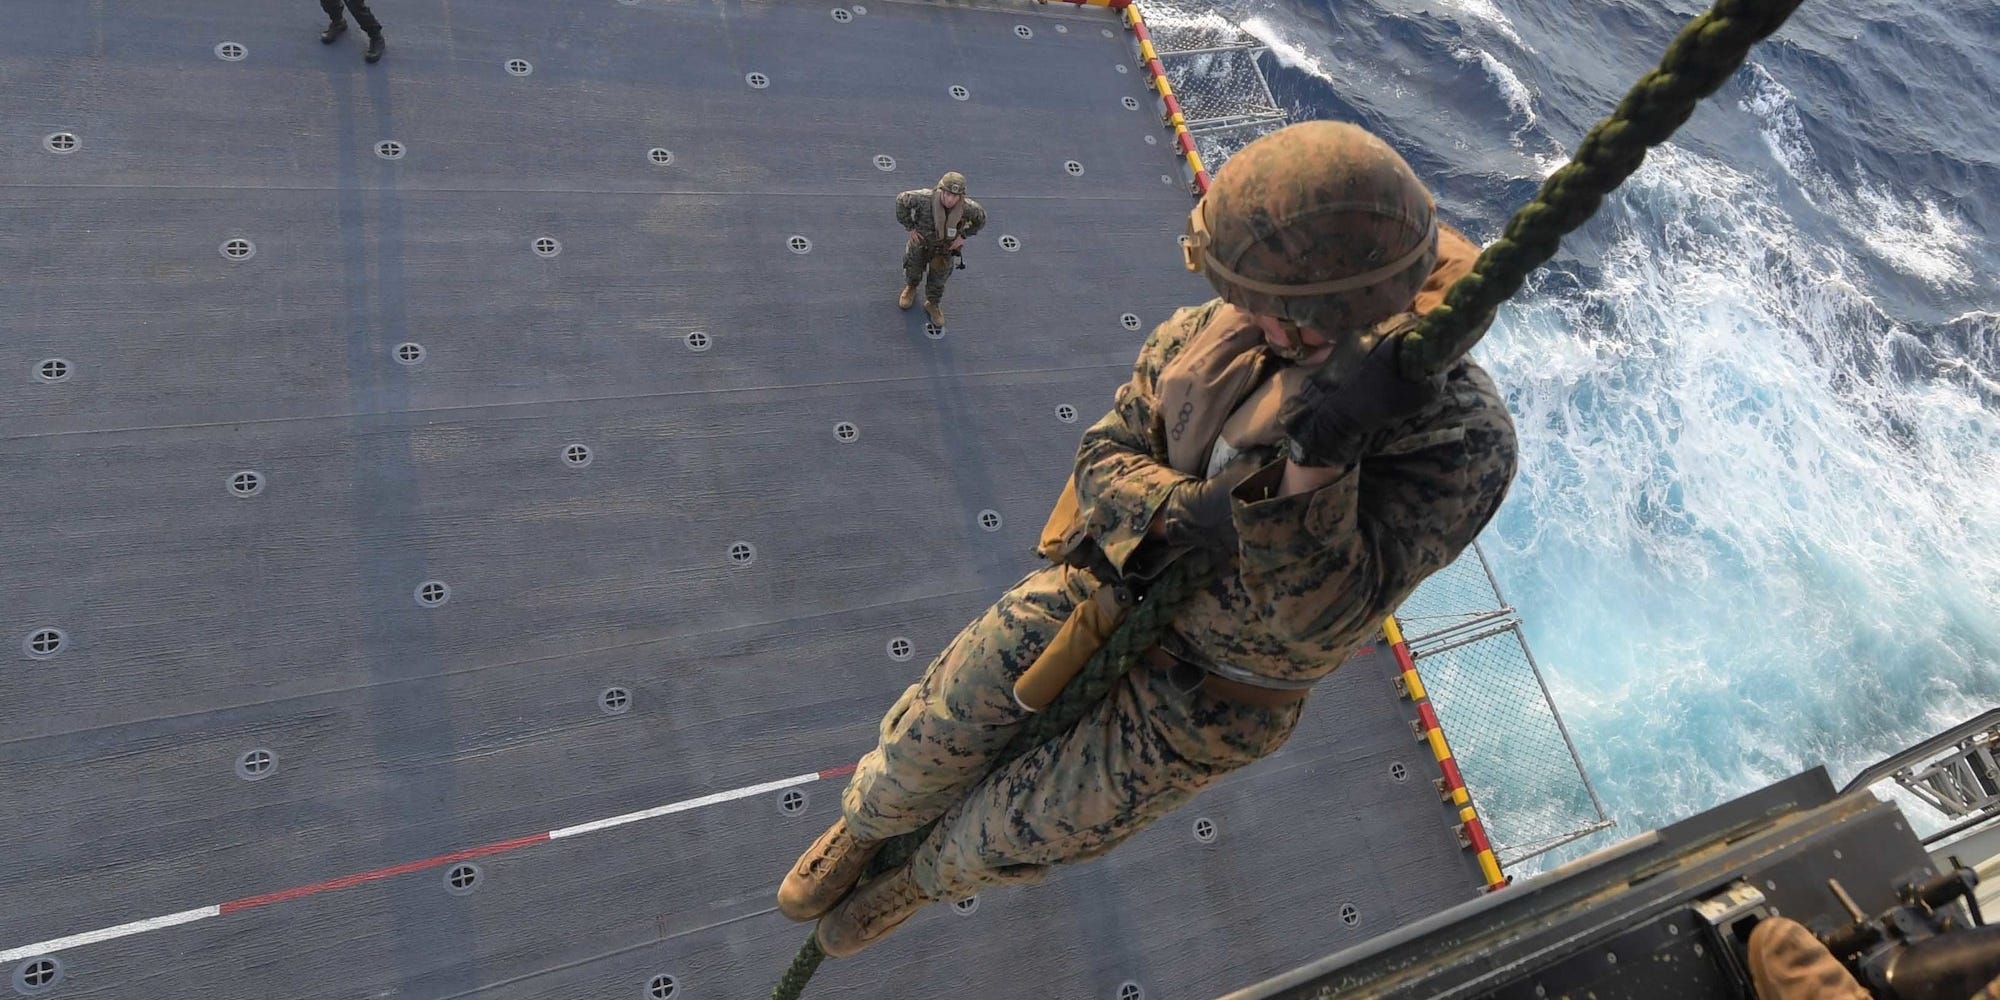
1757 522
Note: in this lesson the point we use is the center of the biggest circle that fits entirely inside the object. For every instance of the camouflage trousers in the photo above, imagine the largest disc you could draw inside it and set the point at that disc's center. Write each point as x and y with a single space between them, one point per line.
920 264
1136 756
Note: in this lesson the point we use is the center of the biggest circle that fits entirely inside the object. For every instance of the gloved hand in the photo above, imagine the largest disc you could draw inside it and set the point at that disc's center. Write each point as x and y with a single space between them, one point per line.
1197 513
1328 421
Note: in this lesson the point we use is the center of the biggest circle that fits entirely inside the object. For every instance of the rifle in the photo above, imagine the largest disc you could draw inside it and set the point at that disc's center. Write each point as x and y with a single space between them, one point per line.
1921 948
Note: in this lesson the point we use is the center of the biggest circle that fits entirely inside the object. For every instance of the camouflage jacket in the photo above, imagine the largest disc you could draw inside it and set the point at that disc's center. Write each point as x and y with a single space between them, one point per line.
1315 573
913 211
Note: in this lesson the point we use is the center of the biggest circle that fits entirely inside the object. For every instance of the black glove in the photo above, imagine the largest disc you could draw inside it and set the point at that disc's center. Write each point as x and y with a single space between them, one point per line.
1328 422
1196 514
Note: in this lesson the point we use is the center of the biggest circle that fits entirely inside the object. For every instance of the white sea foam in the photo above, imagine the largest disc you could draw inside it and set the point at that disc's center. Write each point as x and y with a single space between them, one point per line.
1912 234
1744 539
1519 99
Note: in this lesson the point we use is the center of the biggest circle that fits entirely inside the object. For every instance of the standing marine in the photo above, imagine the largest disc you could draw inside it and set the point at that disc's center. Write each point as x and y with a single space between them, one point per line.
1269 425
337 23
939 220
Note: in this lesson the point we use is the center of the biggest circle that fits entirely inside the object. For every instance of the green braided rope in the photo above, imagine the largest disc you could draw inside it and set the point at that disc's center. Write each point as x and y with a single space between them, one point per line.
804 964
1700 59
1139 632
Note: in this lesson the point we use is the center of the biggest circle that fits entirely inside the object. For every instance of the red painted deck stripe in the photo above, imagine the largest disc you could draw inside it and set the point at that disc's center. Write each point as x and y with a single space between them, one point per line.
392 871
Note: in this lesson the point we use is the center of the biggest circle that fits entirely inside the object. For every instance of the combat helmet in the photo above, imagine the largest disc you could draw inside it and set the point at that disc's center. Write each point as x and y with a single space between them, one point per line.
954 182
1318 224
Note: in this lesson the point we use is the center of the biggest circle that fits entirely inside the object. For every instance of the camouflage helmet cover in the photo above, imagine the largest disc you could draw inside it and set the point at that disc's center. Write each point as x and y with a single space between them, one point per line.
953 182
1319 223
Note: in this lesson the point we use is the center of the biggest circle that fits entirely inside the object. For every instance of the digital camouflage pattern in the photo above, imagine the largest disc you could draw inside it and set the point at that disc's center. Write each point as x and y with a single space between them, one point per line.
1138 755
1315 574
1318 201
929 260
1788 963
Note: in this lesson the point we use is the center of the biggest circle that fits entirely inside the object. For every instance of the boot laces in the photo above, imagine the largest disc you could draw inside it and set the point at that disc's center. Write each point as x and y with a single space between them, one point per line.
837 850
890 900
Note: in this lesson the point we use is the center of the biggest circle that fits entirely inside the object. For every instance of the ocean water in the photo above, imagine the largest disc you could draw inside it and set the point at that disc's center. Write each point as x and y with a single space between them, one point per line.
1757 522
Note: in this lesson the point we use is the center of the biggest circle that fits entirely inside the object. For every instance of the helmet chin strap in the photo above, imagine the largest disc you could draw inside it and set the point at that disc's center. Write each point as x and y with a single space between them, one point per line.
1294 348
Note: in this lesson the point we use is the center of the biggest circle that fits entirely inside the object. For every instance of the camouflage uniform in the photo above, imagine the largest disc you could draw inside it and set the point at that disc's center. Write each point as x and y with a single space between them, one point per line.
1317 230
1315 575
929 260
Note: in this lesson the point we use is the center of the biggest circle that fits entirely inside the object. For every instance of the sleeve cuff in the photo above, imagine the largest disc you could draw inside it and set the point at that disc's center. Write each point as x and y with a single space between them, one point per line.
1123 539
1266 522
1260 486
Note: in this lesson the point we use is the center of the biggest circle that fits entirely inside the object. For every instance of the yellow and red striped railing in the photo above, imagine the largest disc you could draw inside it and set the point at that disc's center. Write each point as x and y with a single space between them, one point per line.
1173 118
1471 832
1156 75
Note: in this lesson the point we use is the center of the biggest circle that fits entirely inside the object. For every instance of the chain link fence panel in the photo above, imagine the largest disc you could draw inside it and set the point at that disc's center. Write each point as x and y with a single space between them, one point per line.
1517 762
1219 144
1218 85
1177 27
1453 597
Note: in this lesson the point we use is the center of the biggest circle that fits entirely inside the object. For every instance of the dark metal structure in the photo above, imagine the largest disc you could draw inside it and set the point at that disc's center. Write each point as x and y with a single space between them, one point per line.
1666 914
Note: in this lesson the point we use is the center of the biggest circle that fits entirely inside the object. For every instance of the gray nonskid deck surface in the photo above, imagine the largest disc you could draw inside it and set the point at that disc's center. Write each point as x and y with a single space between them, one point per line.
201 625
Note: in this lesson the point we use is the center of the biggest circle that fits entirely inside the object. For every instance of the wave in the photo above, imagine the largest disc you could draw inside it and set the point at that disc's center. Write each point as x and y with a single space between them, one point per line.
1484 12
1288 54
1912 234
1519 99
1757 525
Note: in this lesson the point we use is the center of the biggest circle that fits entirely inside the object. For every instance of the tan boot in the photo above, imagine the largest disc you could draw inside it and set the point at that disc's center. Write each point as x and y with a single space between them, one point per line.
935 312
908 298
870 913
825 872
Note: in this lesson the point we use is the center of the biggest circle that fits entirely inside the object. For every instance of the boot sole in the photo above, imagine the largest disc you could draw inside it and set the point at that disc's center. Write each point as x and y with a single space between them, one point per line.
800 907
819 936
801 911
798 914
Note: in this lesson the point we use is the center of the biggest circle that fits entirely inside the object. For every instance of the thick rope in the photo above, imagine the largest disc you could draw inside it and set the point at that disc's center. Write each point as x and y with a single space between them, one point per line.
1700 59
1139 632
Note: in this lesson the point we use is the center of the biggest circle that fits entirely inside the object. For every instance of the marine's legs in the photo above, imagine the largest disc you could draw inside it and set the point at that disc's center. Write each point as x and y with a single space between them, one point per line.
914 260
1140 754
937 740
363 17
934 279
941 736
